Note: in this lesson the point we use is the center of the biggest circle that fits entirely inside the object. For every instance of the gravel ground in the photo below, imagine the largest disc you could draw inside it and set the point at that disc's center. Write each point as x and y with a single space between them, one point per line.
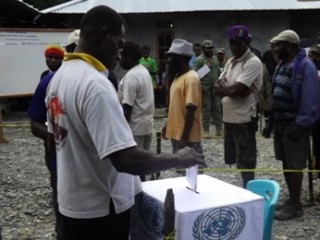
26 213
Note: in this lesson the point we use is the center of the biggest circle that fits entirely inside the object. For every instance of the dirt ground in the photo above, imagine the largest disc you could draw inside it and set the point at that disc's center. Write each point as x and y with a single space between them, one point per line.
26 213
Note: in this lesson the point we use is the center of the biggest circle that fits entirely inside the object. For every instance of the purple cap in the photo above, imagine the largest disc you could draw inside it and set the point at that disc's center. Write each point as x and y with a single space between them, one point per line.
238 31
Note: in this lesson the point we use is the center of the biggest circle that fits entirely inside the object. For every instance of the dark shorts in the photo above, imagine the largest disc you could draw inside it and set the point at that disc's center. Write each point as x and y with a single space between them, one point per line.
240 144
294 152
97 228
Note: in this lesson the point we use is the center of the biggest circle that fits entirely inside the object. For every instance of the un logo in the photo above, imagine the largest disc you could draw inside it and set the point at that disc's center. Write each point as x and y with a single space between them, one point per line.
152 214
224 223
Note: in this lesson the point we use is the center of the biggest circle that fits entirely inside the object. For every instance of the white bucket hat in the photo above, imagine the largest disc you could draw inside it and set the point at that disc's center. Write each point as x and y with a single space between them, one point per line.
181 47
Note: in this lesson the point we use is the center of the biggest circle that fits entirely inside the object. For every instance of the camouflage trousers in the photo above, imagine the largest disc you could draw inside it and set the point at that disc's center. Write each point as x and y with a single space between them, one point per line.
211 109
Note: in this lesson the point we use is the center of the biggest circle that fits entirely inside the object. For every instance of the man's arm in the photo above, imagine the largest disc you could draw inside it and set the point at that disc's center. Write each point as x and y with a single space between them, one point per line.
38 111
139 162
153 67
236 89
51 143
39 129
188 122
309 97
250 71
127 109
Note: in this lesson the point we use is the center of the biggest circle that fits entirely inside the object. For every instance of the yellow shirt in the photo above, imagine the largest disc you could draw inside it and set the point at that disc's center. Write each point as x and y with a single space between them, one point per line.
185 90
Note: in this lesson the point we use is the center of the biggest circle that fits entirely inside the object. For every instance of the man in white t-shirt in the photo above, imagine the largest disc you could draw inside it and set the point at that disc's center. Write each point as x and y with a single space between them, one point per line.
136 94
238 85
97 157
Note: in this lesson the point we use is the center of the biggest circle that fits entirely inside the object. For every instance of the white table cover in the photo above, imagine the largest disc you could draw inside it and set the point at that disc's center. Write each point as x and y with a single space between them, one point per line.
219 211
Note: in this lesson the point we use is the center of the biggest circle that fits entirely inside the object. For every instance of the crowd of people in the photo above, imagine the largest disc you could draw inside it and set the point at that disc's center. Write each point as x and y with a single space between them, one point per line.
97 133
93 137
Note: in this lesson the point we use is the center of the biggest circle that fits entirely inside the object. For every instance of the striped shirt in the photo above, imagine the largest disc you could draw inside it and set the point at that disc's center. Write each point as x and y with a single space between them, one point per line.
284 109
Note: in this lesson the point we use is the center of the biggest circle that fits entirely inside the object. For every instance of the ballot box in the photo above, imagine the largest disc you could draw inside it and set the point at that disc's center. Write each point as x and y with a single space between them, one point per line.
216 210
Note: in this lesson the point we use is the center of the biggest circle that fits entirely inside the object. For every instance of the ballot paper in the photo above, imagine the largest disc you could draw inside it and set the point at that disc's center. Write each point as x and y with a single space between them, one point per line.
192 175
203 71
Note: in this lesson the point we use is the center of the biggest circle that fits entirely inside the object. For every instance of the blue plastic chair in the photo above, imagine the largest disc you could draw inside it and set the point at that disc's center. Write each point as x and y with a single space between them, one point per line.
269 190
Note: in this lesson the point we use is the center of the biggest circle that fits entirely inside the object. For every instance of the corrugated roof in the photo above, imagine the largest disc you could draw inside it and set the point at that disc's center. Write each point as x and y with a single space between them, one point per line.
154 6
75 6
16 11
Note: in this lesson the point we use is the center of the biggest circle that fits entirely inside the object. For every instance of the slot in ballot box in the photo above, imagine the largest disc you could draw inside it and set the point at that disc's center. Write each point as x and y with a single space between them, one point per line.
218 210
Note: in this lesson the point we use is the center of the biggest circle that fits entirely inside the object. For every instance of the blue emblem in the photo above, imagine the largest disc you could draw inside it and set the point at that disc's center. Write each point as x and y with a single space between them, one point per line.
152 214
224 223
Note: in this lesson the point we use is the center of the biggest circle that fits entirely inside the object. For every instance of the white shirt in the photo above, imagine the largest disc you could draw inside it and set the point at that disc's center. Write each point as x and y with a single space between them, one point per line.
242 109
89 125
136 90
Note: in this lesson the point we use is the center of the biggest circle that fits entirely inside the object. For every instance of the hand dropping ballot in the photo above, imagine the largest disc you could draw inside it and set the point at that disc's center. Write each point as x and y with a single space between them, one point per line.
192 175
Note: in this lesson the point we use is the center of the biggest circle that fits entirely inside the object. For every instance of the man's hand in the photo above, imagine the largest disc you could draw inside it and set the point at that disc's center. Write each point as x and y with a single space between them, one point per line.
266 131
217 89
163 132
236 89
189 157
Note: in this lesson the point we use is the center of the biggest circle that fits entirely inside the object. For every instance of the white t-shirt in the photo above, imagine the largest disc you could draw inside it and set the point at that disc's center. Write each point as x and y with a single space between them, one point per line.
136 90
240 109
88 122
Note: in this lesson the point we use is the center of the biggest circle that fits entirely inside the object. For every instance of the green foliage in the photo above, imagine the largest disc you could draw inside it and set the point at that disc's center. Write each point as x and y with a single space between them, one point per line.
43 4
171 236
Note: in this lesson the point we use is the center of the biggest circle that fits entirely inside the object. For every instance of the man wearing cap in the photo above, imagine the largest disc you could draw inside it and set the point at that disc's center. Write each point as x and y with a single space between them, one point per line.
211 104
54 54
295 108
241 78
221 56
184 115
73 40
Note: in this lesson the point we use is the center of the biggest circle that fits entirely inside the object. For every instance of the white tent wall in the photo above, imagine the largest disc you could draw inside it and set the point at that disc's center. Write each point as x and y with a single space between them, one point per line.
22 58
